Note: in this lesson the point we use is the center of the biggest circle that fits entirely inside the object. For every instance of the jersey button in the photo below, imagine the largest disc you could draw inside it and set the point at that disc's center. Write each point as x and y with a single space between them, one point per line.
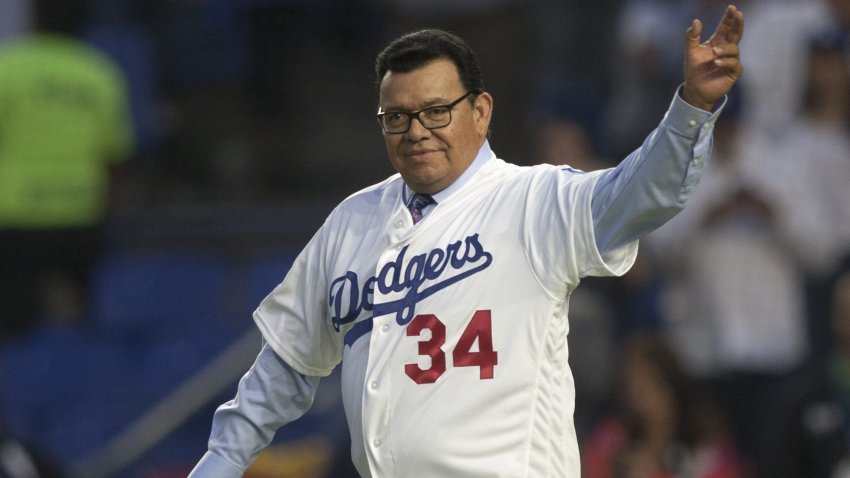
374 384
399 224
376 442
385 327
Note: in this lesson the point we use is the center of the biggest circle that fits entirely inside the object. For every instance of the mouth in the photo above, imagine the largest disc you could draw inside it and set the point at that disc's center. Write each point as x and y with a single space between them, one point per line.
420 155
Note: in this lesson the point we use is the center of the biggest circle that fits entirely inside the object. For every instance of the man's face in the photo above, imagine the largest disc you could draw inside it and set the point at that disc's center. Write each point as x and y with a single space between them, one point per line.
430 160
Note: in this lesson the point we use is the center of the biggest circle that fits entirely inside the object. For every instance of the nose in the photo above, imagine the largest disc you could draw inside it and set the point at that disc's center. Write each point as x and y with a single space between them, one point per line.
417 131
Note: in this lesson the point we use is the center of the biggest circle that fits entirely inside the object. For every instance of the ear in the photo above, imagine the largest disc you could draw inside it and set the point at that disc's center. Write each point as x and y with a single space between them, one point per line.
482 112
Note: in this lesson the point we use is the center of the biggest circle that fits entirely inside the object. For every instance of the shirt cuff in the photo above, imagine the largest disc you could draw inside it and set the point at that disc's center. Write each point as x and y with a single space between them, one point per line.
690 121
214 466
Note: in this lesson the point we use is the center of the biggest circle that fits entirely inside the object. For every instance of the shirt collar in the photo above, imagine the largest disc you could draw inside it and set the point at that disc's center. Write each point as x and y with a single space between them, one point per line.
484 155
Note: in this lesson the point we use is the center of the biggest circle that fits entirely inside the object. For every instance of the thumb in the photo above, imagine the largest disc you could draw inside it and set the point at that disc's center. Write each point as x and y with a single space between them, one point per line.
692 36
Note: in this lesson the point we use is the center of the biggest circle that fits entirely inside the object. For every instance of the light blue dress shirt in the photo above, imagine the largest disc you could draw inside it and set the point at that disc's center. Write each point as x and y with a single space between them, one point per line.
641 193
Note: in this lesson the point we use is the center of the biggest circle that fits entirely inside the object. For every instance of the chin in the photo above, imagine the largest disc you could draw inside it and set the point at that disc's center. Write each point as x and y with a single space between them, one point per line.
420 176
421 185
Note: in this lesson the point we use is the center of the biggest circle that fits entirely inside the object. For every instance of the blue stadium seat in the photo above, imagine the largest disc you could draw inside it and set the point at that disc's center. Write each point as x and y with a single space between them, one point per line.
172 309
66 390
157 318
161 294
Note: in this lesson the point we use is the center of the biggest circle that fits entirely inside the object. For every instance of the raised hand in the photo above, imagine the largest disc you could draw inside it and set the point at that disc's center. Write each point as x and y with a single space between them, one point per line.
711 68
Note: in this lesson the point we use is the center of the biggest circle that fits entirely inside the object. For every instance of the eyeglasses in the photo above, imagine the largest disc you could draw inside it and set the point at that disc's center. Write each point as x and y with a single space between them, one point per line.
433 117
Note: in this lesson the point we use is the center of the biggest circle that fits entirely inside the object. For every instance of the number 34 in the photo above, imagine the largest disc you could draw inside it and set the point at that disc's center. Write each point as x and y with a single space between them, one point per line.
480 328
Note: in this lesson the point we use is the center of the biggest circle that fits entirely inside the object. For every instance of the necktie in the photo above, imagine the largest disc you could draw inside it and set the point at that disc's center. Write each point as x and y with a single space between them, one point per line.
416 204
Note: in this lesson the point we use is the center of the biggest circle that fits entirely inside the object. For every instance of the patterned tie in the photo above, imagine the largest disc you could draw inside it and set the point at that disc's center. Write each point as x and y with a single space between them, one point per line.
417 203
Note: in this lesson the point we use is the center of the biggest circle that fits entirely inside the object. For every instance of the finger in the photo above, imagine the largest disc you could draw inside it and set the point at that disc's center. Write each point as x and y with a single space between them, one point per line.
736 25
732 66
726 50
692 36
731 27
726 63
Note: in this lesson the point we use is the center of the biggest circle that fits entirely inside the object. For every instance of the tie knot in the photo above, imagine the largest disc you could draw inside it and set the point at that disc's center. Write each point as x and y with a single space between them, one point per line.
417 204
419 201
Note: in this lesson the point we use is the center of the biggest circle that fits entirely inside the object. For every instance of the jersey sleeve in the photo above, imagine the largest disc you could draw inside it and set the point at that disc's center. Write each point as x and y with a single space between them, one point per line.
558 231
293 317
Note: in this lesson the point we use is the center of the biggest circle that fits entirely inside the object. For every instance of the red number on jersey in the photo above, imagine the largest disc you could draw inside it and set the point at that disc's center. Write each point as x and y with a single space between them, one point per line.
430 347
479 328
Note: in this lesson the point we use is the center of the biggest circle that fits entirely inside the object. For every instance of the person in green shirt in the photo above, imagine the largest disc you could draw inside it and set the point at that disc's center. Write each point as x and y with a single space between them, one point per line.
64 125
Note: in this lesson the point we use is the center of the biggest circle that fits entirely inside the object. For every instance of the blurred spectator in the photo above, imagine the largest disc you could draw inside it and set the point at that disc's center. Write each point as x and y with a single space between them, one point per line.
64 123
812 436
777 52
665 426
809 174
810 163
777 42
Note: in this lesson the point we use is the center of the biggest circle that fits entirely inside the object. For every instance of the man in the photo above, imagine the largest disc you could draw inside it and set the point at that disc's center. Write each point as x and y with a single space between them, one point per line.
444 290
64 127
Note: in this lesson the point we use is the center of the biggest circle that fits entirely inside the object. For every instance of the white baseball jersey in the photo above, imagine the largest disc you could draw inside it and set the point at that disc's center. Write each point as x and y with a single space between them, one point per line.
452 333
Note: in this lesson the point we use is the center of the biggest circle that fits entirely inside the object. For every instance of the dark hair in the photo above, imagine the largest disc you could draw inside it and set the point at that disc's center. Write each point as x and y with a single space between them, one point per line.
414 50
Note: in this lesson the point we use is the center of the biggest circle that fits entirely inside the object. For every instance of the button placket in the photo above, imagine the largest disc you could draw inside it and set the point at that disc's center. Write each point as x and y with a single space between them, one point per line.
377 403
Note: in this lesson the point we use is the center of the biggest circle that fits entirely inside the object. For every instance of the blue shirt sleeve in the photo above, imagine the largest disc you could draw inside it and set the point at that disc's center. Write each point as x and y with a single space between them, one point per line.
655 181
270 395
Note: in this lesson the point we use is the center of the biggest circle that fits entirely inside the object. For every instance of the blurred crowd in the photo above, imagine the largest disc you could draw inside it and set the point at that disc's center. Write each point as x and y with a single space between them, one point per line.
725 352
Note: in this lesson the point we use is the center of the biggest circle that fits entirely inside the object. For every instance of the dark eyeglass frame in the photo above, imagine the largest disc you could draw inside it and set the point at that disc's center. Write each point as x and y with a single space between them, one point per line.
415 114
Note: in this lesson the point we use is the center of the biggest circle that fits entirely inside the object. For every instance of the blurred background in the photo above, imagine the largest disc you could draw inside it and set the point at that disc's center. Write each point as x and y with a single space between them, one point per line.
163 162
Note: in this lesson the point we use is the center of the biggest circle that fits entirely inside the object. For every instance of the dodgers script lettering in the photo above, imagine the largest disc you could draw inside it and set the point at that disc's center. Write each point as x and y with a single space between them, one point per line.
417 278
